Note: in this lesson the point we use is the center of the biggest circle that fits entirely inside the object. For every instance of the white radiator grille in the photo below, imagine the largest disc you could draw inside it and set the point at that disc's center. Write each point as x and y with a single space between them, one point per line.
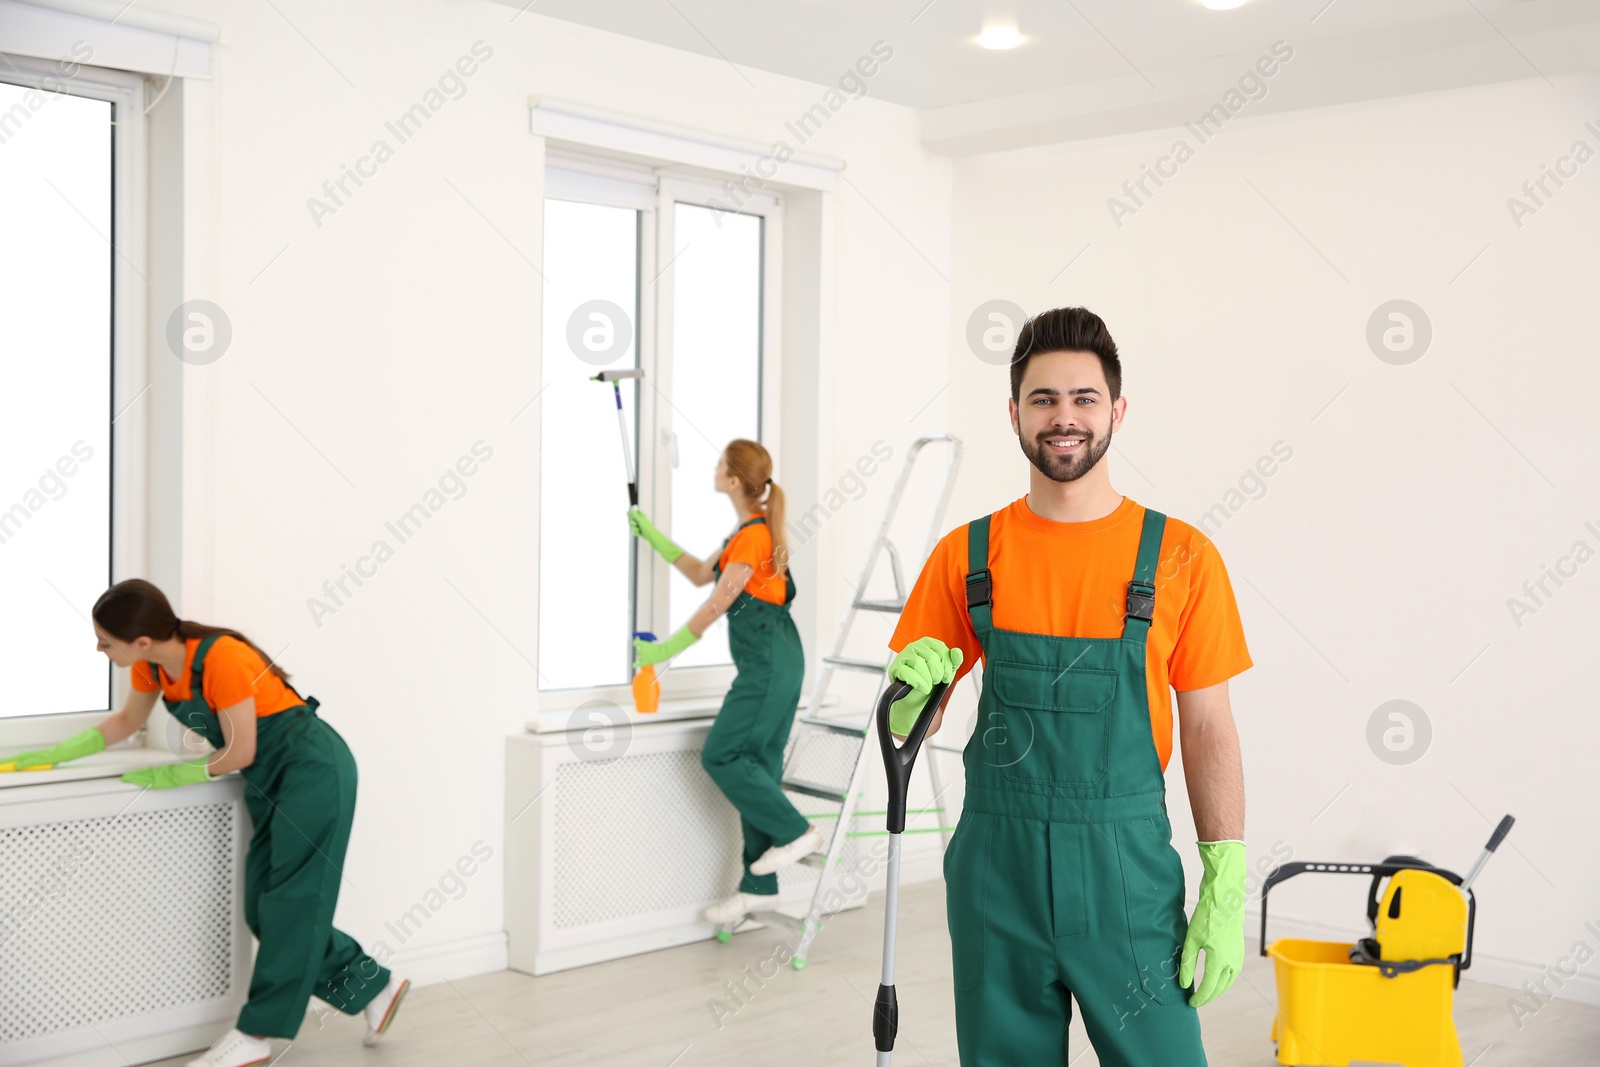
639 834
112 918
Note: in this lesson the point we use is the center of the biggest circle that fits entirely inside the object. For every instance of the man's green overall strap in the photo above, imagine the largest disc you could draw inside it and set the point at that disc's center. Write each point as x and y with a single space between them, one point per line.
1141 602
1141 599
980 587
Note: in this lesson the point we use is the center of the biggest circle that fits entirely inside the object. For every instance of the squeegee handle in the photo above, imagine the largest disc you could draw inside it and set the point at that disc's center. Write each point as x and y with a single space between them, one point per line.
627 449
616 378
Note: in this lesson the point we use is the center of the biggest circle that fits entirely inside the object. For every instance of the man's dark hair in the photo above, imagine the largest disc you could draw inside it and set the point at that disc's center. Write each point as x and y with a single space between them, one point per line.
1066 330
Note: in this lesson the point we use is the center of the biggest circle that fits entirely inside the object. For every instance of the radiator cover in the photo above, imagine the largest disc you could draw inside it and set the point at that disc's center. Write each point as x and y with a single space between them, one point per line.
610 857
121 927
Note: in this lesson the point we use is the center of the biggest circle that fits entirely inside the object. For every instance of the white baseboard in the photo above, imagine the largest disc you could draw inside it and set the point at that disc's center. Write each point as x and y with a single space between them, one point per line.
1583 988
431 964
617 948
147 1049
1507 971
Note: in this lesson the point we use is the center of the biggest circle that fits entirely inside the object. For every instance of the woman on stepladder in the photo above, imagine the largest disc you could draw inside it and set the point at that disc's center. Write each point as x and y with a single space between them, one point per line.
743 753
300 791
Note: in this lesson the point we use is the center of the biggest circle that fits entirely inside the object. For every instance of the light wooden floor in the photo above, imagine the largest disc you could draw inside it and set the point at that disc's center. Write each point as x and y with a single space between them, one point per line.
651 1011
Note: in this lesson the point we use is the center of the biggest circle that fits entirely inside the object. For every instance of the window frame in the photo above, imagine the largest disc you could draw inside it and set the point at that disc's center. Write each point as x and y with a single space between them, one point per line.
621 183
130 97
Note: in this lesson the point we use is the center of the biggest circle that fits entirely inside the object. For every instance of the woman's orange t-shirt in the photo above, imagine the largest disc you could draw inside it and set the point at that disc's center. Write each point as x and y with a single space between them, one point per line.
233 672
753 545
1070 579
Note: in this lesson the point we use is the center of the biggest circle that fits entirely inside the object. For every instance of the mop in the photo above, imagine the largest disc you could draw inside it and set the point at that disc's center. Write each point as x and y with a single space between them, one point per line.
897 763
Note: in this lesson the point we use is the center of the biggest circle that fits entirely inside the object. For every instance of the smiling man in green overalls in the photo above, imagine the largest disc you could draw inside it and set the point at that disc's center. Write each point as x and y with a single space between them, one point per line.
1085 607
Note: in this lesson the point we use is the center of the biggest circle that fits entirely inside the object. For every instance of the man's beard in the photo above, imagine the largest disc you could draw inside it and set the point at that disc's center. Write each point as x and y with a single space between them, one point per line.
1068 467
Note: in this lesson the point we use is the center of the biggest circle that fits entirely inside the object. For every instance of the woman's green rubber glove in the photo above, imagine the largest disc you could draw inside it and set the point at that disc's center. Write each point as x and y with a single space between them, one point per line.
641 526
168 775
1218 922
922 664
77 746
646 653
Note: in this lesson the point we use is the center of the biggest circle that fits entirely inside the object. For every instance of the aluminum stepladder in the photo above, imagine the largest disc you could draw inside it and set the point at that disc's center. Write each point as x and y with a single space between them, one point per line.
837 746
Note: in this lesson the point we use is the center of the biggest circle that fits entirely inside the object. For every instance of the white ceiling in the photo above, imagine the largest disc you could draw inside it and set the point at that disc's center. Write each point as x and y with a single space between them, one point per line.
1090 68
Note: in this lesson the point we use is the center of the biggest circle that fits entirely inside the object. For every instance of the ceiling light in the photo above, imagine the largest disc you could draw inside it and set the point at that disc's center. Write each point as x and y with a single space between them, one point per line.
1000 36
1222 5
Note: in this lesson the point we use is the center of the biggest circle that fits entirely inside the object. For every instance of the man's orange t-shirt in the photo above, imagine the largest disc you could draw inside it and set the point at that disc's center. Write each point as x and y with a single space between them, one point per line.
233 672
753 545
1070 579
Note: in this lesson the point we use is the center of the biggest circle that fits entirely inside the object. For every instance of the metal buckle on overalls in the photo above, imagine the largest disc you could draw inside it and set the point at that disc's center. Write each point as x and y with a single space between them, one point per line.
979 589
1141 600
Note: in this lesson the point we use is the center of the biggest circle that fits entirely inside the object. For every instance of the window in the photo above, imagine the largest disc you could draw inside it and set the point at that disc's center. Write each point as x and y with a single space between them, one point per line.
68 279
640 272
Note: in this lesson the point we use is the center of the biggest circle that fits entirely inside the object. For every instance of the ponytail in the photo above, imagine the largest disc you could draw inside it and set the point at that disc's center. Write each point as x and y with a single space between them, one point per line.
751 463
775 519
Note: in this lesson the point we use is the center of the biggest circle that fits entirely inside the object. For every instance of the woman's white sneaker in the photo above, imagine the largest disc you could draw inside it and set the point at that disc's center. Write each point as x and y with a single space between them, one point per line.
779 856
235 1049
736 907
381 1008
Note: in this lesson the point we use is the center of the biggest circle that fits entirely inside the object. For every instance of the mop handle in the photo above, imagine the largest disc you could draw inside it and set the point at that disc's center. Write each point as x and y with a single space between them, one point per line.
897 762
897 759
1495 838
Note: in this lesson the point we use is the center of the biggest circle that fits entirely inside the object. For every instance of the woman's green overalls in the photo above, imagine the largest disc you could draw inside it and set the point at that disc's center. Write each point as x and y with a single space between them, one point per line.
1061 877
301 796
743 752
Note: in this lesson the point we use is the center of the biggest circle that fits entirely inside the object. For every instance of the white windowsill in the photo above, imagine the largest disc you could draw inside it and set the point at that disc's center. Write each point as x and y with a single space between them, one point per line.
703 707
111 763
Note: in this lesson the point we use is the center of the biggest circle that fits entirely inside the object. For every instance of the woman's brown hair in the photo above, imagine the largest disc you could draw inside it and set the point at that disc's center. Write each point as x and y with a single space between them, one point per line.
751 463
135 608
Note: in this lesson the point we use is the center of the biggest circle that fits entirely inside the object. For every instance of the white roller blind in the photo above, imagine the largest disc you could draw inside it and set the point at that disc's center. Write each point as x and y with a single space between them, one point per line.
140 40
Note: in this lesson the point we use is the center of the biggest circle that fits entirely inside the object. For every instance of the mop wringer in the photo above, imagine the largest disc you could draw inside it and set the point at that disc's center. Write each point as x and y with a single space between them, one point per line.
1387 997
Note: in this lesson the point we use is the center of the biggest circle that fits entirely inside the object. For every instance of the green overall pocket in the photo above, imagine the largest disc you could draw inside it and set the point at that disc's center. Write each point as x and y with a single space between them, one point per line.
966 880
1152 882
1056 723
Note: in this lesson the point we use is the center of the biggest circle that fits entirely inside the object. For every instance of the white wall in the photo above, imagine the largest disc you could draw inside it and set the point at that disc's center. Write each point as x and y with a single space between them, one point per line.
1378 561
372 351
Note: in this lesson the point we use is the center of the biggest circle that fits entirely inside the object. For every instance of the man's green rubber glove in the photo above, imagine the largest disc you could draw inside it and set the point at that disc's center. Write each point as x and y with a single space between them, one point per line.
922 664
77 746
191 772
1218 923
641 526
647 652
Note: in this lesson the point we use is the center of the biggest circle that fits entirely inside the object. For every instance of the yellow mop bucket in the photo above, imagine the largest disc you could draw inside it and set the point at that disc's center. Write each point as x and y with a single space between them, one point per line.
1387 997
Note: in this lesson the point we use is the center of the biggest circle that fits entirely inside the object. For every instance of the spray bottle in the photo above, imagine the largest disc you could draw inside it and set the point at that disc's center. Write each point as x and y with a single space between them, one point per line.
646 687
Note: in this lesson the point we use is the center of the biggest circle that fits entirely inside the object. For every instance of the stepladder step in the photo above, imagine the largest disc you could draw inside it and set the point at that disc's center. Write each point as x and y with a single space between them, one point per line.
845 663
812 789
838 726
